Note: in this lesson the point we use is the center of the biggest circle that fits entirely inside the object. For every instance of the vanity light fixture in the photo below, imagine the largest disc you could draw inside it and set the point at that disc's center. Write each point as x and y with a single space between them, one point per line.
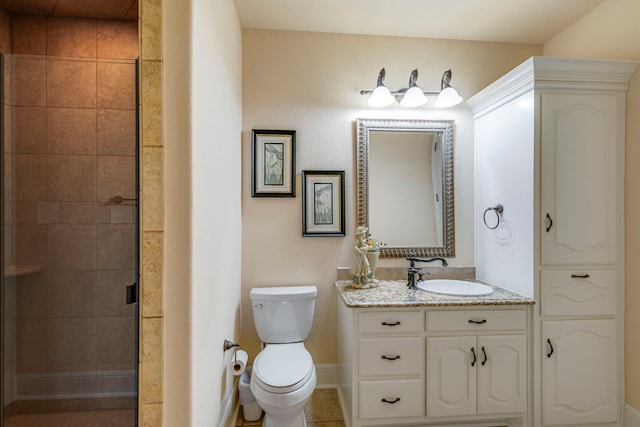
412 96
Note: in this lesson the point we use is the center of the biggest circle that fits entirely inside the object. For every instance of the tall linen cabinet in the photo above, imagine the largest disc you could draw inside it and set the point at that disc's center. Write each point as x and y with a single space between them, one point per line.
549 148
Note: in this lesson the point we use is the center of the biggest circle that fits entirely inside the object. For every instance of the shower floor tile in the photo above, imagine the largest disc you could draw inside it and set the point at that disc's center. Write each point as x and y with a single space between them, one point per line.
103 418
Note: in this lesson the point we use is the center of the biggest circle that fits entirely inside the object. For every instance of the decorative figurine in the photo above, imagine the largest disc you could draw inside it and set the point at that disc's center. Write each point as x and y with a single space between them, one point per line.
362 272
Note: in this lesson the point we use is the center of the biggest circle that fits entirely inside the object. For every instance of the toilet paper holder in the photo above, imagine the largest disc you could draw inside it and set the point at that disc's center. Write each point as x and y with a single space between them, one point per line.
228 345
239 362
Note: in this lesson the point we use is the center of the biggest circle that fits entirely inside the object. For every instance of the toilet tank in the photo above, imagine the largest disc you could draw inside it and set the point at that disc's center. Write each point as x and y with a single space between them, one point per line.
283 314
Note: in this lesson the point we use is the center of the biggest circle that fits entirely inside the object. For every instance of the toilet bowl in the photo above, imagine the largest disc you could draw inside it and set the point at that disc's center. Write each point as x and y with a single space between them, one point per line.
283 376
282 382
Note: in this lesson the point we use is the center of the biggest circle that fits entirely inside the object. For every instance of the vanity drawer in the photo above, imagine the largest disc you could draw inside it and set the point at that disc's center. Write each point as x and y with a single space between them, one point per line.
390 322
579 292
391 399
391 356
476 320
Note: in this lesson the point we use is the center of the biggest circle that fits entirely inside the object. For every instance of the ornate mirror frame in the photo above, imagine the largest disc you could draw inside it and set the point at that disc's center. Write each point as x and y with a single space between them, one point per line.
446 128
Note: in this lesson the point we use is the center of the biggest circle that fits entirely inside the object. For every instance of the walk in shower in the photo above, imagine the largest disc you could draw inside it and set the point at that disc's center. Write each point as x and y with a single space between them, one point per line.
70 226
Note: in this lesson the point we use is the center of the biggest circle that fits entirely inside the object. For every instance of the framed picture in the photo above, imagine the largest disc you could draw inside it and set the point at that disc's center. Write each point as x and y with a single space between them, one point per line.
273 163
323 203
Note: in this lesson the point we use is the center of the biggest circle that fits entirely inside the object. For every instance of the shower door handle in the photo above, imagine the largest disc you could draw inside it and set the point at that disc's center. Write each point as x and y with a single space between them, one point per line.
132 293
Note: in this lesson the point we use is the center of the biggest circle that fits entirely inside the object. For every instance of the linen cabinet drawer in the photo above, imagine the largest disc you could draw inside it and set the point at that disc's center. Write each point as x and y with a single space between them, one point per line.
476 321
391 399
390 322
584 292
391 356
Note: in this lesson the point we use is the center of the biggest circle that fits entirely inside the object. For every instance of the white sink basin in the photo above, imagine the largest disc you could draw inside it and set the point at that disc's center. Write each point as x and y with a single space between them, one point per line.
454 287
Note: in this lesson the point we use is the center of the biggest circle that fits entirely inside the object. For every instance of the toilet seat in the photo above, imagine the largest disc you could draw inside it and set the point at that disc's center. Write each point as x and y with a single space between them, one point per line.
282 368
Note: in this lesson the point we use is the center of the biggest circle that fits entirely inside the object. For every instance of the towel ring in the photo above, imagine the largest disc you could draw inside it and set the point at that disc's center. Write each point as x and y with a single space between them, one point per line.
498 209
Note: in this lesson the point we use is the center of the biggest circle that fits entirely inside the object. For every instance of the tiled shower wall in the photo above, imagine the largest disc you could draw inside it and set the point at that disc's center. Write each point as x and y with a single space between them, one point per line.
72 120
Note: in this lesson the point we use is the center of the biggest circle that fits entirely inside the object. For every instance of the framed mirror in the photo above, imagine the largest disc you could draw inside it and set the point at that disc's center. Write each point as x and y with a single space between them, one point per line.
404 185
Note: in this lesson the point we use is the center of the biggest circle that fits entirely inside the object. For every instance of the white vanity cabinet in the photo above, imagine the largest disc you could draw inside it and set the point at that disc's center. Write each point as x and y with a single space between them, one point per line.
580 184
432 365
484 373
561 123
389 364
580 373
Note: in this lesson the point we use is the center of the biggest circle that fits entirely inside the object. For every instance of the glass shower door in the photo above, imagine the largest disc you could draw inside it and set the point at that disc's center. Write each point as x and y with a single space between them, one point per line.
70 225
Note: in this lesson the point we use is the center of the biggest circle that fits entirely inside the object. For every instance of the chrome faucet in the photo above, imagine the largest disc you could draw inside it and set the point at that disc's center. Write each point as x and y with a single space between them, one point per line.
413 270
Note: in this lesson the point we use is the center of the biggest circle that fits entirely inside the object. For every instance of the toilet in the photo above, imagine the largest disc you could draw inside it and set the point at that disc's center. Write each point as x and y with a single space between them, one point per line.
283 376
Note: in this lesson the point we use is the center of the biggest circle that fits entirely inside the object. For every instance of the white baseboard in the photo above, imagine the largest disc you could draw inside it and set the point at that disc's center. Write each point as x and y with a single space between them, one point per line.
231 409
327 374
631 417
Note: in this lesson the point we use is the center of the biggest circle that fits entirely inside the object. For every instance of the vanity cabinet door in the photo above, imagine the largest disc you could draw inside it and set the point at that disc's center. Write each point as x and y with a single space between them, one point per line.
502 374
580 194
579 384
476 375
451 376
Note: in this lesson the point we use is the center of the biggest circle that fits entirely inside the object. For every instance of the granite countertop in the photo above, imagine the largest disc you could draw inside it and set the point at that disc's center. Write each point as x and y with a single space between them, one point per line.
394 293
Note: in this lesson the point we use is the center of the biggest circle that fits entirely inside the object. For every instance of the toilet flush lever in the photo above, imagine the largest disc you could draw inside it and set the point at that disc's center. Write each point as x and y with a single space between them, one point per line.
259 305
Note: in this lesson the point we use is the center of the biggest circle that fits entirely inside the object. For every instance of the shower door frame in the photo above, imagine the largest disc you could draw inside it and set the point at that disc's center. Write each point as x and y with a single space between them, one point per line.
137 241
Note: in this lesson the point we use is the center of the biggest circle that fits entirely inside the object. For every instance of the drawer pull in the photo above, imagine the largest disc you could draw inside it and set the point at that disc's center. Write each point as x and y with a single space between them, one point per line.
550 347
397 323
396 357
478 322
396 400
579 276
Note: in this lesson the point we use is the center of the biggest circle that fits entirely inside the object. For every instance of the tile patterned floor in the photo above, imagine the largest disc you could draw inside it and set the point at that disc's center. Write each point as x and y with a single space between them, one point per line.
104 418
322 411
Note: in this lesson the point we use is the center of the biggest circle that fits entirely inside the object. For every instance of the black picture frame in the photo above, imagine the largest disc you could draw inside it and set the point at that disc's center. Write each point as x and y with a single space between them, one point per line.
273 163
323 203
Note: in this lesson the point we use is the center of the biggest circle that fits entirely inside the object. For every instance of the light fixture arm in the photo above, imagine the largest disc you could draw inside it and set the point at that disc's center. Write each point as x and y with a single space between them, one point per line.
446 78
381 75
413 78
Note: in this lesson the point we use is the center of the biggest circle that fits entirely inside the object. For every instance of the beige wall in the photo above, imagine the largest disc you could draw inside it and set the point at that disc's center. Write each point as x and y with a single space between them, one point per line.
310 82
202 130
611 31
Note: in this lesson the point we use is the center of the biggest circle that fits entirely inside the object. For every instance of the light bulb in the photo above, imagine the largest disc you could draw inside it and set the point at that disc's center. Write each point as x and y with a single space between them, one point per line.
381 97
413 97
448 98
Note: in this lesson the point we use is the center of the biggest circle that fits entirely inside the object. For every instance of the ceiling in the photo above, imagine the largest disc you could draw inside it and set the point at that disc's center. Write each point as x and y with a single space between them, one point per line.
101 9
516 21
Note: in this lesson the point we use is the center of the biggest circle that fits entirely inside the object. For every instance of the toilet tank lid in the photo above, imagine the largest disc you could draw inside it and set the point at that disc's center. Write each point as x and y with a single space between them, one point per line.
279 292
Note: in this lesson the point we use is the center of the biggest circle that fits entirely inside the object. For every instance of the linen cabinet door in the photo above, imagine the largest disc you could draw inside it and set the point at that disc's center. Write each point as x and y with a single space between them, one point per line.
580 192
579 384
451 376
502 374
